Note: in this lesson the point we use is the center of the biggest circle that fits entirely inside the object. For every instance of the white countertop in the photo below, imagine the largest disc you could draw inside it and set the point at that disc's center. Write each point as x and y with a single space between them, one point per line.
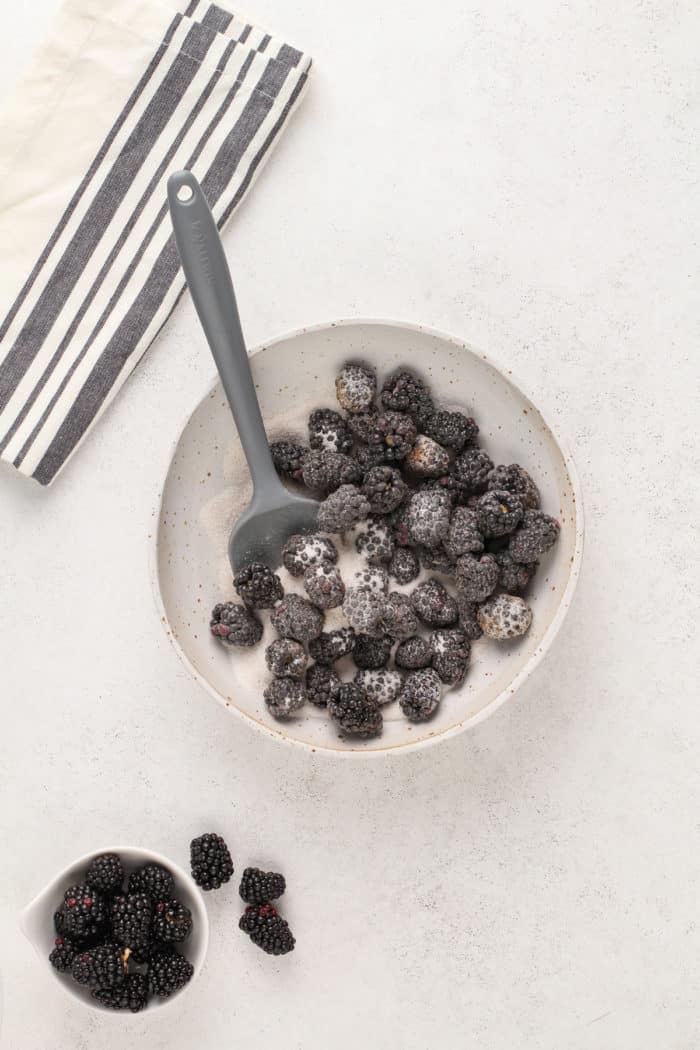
524 177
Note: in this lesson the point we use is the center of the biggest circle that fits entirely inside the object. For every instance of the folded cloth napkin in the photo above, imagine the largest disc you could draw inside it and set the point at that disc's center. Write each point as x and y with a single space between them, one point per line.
123 93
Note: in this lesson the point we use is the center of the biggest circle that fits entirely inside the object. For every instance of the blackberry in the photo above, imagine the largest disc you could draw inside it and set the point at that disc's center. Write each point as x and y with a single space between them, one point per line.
342 509
261 887
258 586
373 577
235 625
451 652
372 651
405 392
101 967
332 645
427 459
413 654
428 517
105 873
300 552
536 535
468 622
324 586
289 458
384 488
469 473
131 921
434 604
131 994
436 559
355 387
375 541
362 608
168 972
515 479
513 576
83 913
504 616
368 456
284 696
286 657
404 565
398 618
152 879
380 686
62 955
267 929
451 429
476 578
498 512
354 712
420 695
210 861
59 923
328 431
399 522
325 472
322 684
295 617
463 535
363 425
172 921
394 433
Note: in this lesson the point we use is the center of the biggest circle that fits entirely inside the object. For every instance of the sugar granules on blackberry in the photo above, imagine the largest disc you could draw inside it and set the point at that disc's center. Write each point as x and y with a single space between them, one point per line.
362 608
267 929
354 712
372 651
131 917
463 535
284 656
297 618
384 488
131 994
322 684
284 696
152 879
428 517
373 578
394 433
289 458
476 578
106 873
451 652
404 565
537 533
504 616
172 921
380 685
427 459
398 618
420 695
325 472
468 622
324 586
261 887
434 604
413 654
342 509
469 473
210 861
328 431
498 512
355 387
300 552
451 429
513 576
258 586
375 541
405 392
235 625
514 478
332 645
168 972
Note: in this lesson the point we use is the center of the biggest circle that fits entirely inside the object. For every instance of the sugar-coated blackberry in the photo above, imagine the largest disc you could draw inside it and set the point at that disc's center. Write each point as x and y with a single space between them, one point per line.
515 479
301 551
172 921
368 456
354 712
363 425
381 686
405 392
452 429
332 645
394 433
284 656
373 577
168 972
434 604
398 619
513 576
404 565
428 517
210 861
105 873
468 622
328 431
62 954
399 521
322 684
152 879
504 616
372 651
362 608
132 916
324 586
535 536
83 913
476 578
295 617
463 535
284 696
258 586
267 929
289 458
469 473
131 994
261 887
235 625
101 967
420 695
451 652
342 509
498 512
325 472
413 654
427 459
384 488
436 559
355 387
375 541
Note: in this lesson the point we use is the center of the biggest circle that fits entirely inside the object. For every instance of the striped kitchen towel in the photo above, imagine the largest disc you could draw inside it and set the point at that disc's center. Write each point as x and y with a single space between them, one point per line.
123 93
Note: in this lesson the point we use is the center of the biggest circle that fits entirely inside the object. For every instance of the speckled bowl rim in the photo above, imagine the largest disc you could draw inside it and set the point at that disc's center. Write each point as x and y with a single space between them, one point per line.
550 634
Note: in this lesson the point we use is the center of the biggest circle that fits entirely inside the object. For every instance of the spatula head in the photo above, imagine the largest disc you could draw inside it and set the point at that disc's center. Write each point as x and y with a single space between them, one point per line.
265 526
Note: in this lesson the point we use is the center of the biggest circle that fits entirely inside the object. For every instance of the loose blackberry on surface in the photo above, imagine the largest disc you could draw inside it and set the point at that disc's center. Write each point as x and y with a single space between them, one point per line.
267 929
210 861
261 887
235 625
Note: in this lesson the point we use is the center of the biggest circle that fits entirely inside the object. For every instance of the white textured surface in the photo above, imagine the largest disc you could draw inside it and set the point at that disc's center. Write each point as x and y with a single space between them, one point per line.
525 177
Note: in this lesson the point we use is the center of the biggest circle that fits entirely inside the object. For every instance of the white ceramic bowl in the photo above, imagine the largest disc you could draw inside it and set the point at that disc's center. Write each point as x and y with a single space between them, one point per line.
207 485
37 920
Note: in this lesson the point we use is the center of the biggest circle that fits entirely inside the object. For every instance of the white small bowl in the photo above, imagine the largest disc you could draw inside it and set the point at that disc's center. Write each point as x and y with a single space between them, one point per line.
38 928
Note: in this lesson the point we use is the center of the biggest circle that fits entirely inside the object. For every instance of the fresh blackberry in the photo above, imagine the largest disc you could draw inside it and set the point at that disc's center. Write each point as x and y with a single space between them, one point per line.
267 929
354 712
355 387
451 429
258 586
536 535
62 955
328 431
289 458
363 424
428 518
372 651
469 473
375 541
83 913
153 880
463 535
394 433
284 696
413 654
101 967
131 921
476 578
404 565
325 472
168 972
434 604
381 686
362 608
342 509
372 577
322 684
515 479
468 622
261 887
498 512
436 559
451 652
131 994
235 625
295 617
105 873
210 861
59 922
399 521
172 921
420 695
427 459
324 586
368 457
384 488
504 616
404 392
286 657
513 576
332 645
398 618
301 552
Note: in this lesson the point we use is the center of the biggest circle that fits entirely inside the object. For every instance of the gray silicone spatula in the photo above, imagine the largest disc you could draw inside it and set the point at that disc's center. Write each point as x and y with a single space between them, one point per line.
274 513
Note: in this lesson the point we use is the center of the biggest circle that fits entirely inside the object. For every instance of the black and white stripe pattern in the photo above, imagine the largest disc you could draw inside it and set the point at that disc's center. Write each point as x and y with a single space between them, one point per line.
212 98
